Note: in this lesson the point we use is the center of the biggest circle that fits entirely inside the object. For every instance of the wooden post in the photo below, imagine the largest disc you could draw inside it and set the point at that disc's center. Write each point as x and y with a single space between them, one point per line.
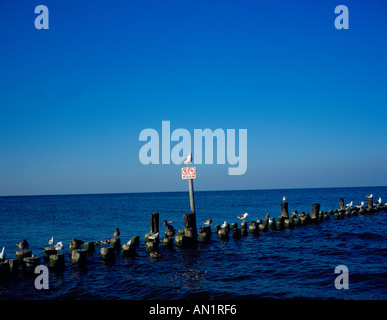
189 220
57 260
154 222
191 195
284 210
315 211
30 263
370 203
341 201
89 246
79 256
107 253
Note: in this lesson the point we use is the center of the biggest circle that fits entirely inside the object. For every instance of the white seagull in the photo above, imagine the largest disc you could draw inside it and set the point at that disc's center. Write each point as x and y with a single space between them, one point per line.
153 236
379 202
369 196
243 216
360 205
2 254
59 246
348 205
129 242
271 220
283 198
187 159
223 225
51 242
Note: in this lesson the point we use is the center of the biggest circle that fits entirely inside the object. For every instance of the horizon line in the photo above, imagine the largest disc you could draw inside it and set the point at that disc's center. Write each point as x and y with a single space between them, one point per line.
140 192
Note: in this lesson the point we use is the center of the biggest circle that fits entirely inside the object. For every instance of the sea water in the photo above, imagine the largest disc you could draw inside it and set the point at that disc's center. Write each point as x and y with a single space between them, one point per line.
289 264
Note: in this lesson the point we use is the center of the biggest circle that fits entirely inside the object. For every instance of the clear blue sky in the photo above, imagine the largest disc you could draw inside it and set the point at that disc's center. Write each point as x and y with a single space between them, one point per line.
74 98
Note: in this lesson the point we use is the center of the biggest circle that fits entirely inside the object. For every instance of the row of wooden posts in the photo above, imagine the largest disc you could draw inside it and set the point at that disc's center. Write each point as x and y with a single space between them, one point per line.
187 237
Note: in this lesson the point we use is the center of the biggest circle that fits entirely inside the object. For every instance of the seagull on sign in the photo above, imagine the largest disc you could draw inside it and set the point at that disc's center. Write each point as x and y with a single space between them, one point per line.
187 159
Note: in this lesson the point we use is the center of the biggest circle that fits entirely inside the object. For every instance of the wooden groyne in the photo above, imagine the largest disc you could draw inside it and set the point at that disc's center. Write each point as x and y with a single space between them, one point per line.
25 261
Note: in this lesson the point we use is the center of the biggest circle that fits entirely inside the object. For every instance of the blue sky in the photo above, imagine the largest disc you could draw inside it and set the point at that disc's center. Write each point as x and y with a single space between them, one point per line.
74 98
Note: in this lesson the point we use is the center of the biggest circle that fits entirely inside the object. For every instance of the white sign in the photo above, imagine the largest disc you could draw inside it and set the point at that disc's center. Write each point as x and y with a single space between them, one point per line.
188 173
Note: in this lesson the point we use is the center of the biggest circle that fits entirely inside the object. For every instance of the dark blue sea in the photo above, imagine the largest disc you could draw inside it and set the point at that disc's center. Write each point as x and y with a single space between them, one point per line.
294 263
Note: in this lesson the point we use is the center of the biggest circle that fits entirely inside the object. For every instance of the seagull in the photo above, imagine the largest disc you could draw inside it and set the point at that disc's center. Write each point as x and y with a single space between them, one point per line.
271 220
51 242
294 212
168 226
378 203
76 242
116 233
187 159
208 222
23 245
153 236
369 196
348 205
243 216
360 205
129 242
2 254
59 246
283 198
223 225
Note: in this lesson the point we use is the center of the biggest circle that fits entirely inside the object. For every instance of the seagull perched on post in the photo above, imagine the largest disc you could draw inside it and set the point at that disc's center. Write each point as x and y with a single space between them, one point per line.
116 233
379 202
284 198
59 246
168 226
294 212
208 222
224 225
23 245
348 205
2 255
360 205
243 216
369 196
51 242
153 236
187 159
